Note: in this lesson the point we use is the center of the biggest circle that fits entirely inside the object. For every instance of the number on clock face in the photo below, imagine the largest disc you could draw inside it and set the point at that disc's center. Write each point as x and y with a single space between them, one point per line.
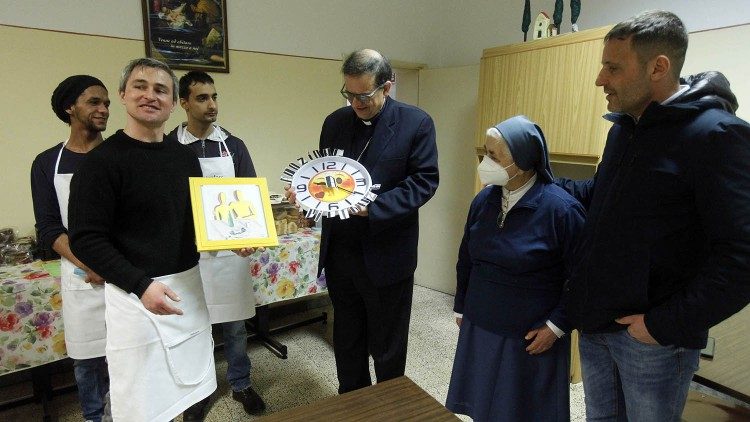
329 184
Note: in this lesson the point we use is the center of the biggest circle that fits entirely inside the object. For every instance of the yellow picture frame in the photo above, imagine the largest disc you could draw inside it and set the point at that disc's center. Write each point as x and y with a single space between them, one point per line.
231 213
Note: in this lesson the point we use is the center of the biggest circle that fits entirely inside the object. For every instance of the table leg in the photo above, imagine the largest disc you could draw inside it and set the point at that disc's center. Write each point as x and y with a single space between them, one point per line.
42 390
260 326
42 387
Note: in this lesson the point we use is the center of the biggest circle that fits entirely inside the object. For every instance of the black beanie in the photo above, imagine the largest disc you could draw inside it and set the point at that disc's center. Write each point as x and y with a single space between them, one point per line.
66 94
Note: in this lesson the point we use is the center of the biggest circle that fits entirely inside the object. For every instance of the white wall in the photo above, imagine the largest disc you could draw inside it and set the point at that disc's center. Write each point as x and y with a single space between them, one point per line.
725 50
308 28
439 33
449 95
471 26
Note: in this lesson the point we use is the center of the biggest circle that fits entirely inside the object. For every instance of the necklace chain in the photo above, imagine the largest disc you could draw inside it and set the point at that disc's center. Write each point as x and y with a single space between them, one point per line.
364 149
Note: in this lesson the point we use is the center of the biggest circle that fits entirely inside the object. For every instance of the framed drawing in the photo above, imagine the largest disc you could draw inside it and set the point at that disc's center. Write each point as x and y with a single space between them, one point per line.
187 34
231 213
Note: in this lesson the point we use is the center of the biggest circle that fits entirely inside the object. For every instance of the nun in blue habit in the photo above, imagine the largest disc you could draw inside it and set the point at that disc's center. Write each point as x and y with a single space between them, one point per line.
513 353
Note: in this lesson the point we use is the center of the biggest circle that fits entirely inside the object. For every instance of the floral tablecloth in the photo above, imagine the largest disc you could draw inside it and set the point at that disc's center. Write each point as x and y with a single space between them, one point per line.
289 270
31 325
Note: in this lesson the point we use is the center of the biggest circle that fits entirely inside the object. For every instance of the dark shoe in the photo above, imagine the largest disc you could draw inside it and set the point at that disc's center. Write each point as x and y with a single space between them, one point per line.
196 412
251 401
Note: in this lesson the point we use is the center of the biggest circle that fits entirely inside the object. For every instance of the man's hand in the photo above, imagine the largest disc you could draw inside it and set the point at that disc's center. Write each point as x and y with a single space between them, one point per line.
459 320
362 213
291 195
155 299
92 277
543 337
245 252
637 328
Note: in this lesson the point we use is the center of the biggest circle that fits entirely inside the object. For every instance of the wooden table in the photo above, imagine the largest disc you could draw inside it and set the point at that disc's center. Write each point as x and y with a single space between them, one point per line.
701 407
729 370
398 399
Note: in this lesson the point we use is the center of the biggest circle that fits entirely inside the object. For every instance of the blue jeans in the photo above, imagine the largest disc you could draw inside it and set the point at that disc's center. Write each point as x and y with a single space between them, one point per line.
93 383
626 380
235 350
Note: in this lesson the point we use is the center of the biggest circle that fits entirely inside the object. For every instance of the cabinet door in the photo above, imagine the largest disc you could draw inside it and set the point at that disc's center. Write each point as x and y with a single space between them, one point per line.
552 82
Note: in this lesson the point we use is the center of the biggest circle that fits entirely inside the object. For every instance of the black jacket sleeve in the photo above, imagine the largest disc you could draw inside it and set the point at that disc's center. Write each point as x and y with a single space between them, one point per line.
243 163
49 225
722 199
568 227
416 188
582 190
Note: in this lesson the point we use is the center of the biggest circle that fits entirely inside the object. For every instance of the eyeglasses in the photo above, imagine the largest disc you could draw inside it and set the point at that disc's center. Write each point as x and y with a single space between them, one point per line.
362 98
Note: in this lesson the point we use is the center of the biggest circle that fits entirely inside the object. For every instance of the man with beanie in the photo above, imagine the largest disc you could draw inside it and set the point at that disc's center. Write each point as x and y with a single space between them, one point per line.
82 102
226 276
131 221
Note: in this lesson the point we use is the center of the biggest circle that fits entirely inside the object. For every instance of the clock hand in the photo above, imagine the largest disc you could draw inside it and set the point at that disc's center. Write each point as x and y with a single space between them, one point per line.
326 188
343 189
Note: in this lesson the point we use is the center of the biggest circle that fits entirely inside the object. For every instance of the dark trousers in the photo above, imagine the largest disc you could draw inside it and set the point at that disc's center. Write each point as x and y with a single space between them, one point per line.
367 320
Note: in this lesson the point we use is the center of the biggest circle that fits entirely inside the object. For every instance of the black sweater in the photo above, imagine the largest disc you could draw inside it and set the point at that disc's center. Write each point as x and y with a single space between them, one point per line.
49 224
130 214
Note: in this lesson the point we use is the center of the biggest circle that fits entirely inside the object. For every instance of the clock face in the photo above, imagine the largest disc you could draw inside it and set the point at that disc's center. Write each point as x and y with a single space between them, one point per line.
329 184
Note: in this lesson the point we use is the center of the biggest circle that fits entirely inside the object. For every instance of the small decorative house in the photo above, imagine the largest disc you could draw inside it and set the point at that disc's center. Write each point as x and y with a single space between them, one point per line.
541 26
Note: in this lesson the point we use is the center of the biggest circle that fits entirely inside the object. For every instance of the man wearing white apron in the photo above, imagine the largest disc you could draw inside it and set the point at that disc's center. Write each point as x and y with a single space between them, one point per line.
82 102
226 276
131 222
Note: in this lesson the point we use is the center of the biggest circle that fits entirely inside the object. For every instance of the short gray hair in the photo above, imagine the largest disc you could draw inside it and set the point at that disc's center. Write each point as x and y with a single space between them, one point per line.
152 63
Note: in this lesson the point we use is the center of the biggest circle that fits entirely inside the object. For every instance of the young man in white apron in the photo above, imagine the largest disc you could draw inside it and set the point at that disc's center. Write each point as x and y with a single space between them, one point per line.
226 276
82 102
131 221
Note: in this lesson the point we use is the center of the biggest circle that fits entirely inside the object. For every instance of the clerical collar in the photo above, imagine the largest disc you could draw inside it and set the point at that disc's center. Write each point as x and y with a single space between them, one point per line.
376 117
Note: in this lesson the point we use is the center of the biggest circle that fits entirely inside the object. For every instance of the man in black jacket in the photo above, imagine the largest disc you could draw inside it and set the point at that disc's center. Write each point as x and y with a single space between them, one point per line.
370 258
665 252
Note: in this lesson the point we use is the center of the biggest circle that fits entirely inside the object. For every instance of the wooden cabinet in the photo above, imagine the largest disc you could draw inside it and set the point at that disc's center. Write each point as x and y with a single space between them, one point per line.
552 82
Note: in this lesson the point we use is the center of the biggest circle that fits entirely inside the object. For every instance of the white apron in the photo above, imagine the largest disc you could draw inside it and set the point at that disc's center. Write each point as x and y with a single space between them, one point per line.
83 303
226 276
159 365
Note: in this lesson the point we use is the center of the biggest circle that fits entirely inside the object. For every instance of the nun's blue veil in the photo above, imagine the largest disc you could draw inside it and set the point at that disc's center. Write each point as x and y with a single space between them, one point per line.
527 145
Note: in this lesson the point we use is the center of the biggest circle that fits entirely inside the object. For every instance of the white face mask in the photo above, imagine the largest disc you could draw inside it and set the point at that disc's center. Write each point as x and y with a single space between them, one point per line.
492 173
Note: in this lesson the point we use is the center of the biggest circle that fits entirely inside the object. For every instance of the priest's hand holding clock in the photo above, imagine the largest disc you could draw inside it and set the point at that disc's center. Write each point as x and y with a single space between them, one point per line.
327 184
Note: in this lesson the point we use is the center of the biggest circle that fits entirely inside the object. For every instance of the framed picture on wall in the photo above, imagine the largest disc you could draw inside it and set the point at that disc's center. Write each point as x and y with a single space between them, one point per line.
231 213
187 34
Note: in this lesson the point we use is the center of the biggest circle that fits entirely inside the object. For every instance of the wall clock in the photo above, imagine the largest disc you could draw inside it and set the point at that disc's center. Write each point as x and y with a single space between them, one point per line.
328 184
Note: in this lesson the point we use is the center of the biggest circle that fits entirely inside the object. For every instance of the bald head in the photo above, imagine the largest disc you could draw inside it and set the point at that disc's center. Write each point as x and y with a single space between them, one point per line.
368 62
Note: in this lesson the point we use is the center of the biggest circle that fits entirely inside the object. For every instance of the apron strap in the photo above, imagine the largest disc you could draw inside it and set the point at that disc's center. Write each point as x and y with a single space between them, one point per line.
229 154
59 155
